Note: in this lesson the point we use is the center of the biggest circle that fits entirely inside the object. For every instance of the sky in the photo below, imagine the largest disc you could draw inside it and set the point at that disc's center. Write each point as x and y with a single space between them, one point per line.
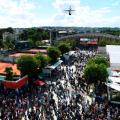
37 13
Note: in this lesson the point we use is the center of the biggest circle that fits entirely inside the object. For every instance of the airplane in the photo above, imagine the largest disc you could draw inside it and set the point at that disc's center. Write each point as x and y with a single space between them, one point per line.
70 10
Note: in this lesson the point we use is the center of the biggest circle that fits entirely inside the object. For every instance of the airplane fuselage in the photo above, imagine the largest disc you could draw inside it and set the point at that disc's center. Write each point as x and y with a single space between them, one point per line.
69 13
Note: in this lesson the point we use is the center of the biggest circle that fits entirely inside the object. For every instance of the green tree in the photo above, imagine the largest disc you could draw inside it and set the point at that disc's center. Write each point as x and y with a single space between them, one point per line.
53 53
37 34
44 60
9 29
71 42
63 47
23 35
103 72
9 73
95 72
27 65
99 59
103 42
8 44
1 43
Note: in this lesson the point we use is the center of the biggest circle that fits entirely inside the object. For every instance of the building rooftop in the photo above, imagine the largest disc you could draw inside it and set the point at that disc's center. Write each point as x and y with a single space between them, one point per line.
114 55
3 65
38 50
20 54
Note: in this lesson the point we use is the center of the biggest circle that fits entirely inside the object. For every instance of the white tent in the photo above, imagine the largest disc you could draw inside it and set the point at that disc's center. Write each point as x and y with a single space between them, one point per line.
113 73
112 48
48 69
114 86
114 55
55 65
115 80
114 83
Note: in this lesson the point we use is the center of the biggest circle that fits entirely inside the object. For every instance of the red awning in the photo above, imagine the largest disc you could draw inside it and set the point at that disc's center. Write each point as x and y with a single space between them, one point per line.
15 84
39 83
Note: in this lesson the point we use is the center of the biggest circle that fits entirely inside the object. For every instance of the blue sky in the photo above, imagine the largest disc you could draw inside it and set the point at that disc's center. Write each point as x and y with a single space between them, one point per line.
35 13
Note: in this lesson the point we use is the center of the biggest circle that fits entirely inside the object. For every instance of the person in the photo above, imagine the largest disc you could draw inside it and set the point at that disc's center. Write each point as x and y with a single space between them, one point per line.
66 99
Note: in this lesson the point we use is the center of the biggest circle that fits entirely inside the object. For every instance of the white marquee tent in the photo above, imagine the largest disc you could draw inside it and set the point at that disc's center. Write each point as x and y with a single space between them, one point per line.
114 55
114 86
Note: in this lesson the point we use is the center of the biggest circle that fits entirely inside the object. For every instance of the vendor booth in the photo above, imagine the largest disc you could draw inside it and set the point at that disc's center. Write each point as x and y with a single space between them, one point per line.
68 55
113 82
53 69
2 78
113 89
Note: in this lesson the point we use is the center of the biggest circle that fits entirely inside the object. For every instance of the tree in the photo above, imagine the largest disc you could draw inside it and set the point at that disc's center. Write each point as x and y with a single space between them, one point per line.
99 59
9 73
71 42
9 29
63 47
8 44
37 34
27 65
95 72
23 35
44 60
103 72
53 53
1 43
103 42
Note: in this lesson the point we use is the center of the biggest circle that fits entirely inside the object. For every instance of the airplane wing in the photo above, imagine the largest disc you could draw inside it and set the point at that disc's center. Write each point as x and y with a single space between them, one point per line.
67 10
72 10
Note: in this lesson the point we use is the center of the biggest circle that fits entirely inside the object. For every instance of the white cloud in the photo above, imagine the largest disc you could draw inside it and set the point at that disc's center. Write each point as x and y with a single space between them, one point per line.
21 13
16 13
84 15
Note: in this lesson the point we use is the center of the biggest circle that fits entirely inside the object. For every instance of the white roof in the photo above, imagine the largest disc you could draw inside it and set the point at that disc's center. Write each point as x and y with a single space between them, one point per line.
71 52
114 86
112 48
62 32
114 79
55 65
114 74
114 83
114 55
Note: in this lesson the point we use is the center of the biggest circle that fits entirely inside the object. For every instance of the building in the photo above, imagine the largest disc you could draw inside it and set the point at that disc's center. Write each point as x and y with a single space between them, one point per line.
113 82
88 43
11 36
114 55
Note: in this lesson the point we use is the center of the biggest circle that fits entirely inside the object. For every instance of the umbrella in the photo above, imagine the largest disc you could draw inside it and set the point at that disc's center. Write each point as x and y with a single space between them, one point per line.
39 83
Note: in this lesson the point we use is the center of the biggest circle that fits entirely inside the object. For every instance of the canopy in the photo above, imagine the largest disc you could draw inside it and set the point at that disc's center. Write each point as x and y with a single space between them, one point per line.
55 65
114 55
39 83
112 48
114 83
2 78
114 79
114 74
71 53
114 86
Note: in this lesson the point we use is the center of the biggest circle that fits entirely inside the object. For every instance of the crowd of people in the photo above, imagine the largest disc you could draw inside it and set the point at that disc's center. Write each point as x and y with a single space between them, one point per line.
67 98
